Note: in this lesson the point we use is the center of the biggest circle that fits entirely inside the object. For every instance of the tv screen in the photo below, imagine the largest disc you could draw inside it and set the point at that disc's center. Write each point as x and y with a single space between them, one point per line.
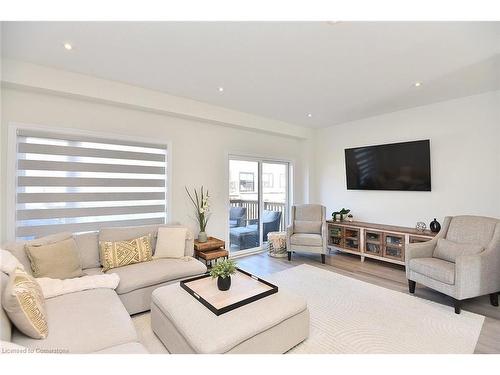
396 166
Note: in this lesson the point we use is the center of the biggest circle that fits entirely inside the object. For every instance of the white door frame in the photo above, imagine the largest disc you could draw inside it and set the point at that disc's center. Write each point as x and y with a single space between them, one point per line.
289 192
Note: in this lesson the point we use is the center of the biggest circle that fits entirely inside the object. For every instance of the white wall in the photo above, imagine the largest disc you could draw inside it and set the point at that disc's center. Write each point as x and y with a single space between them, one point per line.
464 134
465 162
199 148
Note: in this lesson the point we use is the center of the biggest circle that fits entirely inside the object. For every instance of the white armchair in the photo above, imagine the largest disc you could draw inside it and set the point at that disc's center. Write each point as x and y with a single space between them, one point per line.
462 261
307 231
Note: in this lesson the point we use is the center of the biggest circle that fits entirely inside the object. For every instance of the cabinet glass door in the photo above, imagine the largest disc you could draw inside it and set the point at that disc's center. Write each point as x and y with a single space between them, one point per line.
394 246
335 235
351 239
373 242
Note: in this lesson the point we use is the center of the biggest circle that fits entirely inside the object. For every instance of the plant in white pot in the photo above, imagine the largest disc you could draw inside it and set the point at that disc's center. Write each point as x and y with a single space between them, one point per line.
202 210
223 271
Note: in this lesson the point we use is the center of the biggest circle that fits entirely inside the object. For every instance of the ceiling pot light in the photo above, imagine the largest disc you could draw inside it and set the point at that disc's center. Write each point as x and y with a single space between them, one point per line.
221 89
417 84
68 46
309 115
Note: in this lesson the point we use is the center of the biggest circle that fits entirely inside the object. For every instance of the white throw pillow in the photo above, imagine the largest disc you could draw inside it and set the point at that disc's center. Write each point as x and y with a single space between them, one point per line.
171 242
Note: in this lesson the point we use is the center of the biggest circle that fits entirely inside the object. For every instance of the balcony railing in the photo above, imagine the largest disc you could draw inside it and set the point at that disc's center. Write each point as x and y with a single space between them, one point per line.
253 209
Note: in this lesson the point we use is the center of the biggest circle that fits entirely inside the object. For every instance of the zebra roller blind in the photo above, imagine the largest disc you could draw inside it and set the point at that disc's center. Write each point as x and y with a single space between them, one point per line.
79 184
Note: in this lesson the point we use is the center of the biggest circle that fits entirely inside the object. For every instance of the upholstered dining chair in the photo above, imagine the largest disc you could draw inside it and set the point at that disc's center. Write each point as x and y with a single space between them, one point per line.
307 231
462 261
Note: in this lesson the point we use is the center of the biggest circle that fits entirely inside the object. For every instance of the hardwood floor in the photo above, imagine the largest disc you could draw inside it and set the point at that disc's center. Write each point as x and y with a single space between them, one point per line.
385 275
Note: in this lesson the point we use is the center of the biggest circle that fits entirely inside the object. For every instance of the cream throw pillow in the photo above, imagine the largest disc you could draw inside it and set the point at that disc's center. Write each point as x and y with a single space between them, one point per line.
122 253
24 303
171 242
59 260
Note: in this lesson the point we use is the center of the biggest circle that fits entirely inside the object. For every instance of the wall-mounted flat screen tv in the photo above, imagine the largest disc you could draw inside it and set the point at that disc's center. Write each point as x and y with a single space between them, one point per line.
396 166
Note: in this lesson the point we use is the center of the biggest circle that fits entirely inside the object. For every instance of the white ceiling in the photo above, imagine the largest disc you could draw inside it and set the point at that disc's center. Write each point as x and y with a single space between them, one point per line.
339 72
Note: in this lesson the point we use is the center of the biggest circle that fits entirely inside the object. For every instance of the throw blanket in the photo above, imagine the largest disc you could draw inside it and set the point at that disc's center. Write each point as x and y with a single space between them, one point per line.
8 262
56 287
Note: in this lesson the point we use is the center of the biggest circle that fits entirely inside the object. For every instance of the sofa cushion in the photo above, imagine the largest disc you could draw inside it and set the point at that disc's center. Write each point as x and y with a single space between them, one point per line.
88 247
472 229
18 248
434 268
84 322
24 304
5 324
60 260
170 242
450 251
123 253
306 239
125 233
141 275
300 226
7 347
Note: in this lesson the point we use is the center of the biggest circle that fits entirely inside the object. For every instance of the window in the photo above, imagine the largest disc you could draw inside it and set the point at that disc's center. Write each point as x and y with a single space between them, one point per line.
267 180
232 187
282 180
247 181
78 183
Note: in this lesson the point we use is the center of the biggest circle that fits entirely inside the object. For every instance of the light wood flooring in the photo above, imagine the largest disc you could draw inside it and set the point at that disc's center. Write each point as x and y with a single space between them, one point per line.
385 275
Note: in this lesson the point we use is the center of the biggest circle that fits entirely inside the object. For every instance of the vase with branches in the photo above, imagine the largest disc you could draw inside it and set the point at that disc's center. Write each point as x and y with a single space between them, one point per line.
200 201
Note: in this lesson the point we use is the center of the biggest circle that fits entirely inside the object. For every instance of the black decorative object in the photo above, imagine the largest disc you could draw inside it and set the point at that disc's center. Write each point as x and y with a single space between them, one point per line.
224 283
435 226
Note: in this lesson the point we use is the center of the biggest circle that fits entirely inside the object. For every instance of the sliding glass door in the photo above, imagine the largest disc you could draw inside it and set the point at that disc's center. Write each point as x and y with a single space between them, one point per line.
258 196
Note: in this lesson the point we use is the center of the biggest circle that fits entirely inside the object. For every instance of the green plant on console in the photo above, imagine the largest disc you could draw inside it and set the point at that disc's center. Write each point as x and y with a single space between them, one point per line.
223 268
342 212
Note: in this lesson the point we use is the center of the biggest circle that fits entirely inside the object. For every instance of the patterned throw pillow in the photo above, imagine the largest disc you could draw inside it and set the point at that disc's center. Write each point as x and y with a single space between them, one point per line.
122 253
24 304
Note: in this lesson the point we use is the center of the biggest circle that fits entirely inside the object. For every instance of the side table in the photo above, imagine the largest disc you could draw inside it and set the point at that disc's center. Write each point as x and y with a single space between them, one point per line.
210 250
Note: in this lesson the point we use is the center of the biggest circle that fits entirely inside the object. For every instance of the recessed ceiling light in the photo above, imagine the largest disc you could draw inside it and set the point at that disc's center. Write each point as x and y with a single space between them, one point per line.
417 84
68 46
221 89
309 115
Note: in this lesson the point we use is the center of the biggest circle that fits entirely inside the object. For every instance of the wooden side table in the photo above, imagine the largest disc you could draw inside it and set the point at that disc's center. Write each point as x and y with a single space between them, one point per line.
211 250
213 255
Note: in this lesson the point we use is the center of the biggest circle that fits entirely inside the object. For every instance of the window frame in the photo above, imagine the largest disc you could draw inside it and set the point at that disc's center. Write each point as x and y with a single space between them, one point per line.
11 172
291 185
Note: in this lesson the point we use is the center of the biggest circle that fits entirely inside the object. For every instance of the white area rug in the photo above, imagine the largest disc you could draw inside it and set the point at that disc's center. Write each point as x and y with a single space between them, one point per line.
351 316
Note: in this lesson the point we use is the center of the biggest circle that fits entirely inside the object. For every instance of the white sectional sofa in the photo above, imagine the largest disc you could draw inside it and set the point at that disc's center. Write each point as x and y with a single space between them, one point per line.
98 320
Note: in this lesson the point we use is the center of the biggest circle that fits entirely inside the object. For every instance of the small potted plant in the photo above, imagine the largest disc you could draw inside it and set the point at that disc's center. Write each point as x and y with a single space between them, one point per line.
223 271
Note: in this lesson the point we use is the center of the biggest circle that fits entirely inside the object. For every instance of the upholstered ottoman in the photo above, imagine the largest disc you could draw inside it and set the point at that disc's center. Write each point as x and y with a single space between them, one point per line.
273 324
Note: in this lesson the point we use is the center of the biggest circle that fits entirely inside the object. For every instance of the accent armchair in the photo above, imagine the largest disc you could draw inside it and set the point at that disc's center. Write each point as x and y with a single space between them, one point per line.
462 261
307 231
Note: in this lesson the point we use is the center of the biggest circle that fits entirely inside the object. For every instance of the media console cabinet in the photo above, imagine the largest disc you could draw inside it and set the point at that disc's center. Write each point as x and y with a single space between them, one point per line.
377 241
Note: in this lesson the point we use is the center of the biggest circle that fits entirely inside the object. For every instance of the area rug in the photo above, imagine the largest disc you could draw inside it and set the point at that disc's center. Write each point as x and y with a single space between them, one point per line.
353 317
